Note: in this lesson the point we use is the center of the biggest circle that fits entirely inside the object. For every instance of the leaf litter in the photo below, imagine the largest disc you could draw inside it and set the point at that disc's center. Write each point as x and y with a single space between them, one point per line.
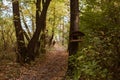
52 66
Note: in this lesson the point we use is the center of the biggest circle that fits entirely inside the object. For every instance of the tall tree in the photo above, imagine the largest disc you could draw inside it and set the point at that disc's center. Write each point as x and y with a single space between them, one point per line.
34 44
28 53
21 49
74 26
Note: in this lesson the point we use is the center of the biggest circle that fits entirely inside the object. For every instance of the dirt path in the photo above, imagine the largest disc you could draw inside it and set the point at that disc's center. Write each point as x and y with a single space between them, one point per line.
53 68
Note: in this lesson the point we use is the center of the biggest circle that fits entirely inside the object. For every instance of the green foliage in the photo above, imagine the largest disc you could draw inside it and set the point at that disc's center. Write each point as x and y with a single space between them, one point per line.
98 57
86 66
56 19
98 60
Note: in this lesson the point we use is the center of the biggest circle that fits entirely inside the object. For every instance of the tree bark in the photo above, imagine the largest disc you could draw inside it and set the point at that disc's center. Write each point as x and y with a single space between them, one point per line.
40 26
27 54
74 26
21 49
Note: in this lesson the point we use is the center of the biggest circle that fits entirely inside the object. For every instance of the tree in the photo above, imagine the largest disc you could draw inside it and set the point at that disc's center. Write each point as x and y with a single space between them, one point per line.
74 26
40 26
29 52
21 50
56 18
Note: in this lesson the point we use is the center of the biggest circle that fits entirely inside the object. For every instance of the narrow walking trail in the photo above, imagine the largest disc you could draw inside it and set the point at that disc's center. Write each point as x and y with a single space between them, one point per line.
53 68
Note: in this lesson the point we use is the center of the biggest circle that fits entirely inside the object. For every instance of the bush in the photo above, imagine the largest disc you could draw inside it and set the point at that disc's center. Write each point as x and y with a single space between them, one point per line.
98 60
86 66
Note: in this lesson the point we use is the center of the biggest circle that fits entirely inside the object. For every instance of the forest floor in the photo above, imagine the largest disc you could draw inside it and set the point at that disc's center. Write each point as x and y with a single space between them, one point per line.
51 66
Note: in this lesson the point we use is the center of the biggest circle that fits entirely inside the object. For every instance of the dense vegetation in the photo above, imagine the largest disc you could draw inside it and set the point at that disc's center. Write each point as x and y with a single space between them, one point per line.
99 53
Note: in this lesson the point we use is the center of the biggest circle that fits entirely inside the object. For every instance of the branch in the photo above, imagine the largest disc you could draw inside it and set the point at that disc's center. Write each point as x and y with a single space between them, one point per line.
26 26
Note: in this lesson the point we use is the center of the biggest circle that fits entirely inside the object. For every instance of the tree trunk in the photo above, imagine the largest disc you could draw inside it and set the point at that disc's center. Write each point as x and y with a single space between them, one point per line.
21 49
74 26
27 54
40 26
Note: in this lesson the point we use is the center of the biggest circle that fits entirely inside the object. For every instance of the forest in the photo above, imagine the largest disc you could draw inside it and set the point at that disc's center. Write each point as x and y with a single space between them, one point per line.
59 39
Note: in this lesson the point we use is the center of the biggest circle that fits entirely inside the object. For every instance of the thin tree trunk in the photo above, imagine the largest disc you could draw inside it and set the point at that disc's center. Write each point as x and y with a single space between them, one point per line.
25 24
51 38
21 49
33 24
3 38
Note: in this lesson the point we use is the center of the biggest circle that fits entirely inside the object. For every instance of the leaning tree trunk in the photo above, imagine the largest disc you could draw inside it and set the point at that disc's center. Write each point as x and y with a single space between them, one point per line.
21 49
74 26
